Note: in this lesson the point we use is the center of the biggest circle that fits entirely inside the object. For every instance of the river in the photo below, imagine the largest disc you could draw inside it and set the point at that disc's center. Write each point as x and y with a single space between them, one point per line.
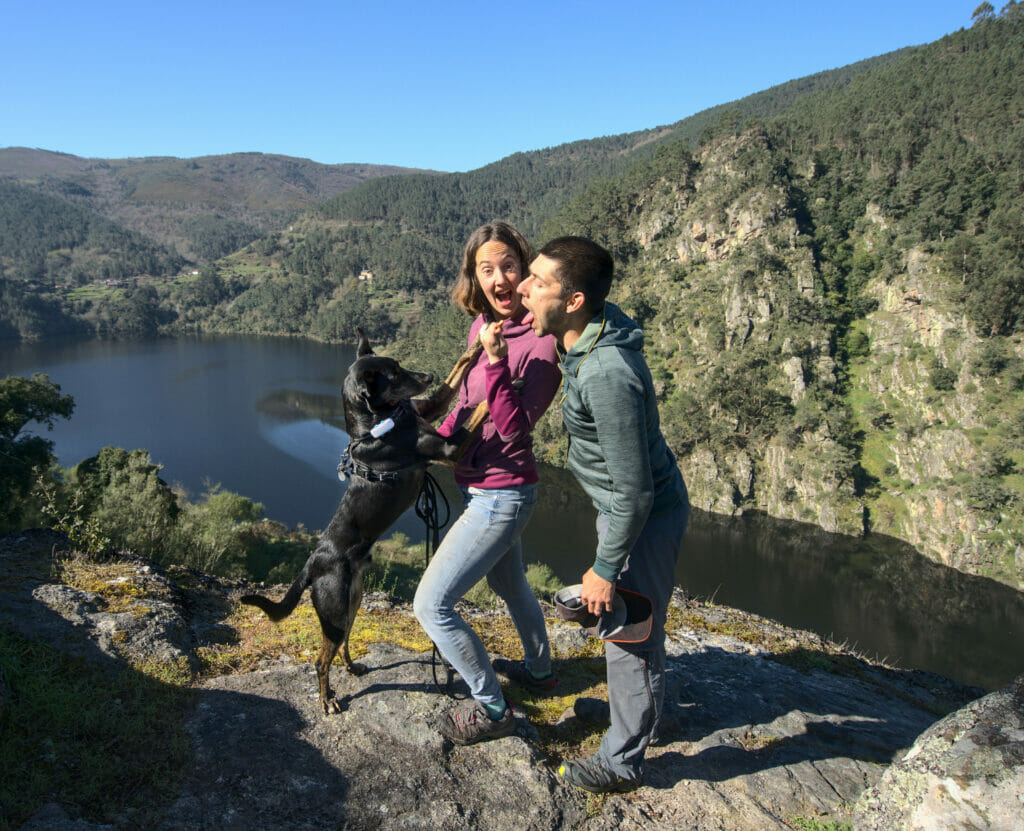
262 417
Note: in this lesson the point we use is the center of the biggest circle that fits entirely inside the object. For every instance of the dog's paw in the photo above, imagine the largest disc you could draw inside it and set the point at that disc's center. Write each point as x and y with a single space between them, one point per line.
356 669
332 707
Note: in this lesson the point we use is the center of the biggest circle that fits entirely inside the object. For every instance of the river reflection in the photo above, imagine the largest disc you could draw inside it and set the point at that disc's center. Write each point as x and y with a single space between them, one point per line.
262 417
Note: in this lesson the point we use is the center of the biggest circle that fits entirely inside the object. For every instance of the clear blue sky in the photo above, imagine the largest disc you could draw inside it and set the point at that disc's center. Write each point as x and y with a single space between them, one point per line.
448 86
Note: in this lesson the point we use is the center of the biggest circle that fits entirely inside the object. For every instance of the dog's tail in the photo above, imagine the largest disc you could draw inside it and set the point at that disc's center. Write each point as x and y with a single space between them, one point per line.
280 609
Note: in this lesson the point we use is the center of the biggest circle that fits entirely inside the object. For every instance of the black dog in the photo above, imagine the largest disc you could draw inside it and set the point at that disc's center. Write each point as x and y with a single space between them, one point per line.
388 464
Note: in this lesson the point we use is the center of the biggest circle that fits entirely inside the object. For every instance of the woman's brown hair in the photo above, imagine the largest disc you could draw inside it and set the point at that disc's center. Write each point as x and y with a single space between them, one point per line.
467 292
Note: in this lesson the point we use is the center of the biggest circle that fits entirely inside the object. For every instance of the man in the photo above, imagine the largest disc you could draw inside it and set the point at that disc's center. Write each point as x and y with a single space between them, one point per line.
619 456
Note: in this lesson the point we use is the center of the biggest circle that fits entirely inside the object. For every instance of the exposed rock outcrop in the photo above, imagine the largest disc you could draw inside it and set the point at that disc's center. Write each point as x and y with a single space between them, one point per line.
762 724
964 772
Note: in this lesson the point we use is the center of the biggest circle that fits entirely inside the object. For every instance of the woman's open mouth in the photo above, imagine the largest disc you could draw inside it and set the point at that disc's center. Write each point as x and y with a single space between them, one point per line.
505 298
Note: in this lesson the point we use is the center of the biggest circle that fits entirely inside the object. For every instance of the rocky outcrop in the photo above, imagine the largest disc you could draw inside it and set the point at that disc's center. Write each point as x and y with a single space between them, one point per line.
964 772
763 725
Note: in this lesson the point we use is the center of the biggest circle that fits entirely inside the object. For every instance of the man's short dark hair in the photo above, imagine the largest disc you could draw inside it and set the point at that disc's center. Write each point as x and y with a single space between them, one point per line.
583 266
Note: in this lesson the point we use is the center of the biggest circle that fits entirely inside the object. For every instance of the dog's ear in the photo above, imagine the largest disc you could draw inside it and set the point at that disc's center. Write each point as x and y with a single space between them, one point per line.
369 382
364 348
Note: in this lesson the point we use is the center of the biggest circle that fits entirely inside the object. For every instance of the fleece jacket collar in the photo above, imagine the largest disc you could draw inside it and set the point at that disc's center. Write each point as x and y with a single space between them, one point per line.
611 327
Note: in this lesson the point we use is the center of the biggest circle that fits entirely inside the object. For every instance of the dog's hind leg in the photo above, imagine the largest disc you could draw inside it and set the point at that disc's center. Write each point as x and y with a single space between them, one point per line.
336 596
355 597
328 650
335 638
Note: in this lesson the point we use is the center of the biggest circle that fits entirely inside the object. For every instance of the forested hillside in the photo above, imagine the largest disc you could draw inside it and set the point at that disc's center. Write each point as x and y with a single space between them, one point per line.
300 278
47 242
408 232
204 207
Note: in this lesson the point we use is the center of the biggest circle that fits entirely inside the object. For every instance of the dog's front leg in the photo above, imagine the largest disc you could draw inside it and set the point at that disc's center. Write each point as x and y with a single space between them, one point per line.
438 403
449 450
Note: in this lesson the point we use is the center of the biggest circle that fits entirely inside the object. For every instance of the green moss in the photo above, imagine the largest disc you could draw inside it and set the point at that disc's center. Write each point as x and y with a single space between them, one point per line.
810 824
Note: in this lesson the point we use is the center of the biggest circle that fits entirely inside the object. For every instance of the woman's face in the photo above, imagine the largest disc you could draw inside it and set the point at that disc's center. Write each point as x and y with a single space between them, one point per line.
498 271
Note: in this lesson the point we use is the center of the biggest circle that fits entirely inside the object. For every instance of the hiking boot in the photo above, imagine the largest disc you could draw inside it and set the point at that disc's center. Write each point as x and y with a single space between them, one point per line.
592 775
470 724
516 671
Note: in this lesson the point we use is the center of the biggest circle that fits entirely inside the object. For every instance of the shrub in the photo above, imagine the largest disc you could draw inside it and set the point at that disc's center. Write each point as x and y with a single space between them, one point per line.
942 378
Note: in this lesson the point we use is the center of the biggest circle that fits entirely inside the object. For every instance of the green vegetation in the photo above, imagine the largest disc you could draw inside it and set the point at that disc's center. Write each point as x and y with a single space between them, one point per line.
24 457
116 502
50 241
810 824
109 740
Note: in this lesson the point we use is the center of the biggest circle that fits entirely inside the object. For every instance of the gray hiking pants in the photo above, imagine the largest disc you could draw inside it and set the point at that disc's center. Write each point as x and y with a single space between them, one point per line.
636 672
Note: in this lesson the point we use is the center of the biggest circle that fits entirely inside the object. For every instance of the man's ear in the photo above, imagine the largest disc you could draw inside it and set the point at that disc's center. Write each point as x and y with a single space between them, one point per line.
575 302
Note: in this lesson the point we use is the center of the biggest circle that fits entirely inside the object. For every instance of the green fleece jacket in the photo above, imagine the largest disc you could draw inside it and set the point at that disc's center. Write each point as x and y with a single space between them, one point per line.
616 449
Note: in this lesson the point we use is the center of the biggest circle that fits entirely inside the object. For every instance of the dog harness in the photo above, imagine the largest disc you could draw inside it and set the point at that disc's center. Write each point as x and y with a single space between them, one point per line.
347 466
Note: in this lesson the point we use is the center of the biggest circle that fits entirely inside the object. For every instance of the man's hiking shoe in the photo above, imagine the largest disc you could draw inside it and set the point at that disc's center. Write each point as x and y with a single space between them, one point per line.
470 724
517 671
591 775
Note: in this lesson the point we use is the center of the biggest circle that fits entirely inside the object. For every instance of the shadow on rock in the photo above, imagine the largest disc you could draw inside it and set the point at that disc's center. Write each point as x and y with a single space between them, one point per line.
734 714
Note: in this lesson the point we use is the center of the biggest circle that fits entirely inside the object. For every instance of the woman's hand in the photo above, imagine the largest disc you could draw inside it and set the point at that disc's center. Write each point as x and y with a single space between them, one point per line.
493 341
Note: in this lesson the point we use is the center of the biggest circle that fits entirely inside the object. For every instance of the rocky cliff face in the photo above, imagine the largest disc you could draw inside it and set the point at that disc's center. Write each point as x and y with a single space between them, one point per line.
932 449
884 412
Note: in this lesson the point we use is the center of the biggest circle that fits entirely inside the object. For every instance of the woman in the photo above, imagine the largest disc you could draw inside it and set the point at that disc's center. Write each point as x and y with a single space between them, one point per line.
517 373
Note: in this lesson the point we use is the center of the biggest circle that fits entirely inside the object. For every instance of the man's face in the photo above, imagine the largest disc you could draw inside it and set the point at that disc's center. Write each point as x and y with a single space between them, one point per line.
542 297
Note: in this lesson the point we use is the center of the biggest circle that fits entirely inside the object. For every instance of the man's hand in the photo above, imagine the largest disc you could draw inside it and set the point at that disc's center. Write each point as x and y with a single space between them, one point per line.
493 341
597 593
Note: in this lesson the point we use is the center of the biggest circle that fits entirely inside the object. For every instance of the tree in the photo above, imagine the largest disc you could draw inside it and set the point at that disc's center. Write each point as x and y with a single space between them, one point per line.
986 11
1012 11
208 288
132 505
23 458
212 535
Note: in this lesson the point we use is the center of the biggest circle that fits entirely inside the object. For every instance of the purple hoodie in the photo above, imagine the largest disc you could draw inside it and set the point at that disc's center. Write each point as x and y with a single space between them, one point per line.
502 455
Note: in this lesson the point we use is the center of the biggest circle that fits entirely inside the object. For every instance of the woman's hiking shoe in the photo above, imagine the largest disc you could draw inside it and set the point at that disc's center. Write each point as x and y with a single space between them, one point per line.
470 724
591 775
517 671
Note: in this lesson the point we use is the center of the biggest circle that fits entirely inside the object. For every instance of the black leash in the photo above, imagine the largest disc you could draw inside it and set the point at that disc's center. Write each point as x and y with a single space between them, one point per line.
427 510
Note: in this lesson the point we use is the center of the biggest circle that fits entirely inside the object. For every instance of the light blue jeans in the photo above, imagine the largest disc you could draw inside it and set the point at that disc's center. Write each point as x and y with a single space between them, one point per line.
484 541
